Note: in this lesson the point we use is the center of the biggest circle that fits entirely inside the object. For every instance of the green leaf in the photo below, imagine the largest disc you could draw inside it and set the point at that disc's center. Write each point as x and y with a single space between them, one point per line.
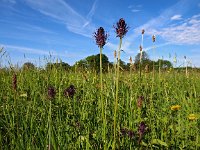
159 142
144 144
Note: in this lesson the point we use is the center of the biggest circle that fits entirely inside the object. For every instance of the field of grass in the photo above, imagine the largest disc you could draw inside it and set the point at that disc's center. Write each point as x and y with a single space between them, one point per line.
152 113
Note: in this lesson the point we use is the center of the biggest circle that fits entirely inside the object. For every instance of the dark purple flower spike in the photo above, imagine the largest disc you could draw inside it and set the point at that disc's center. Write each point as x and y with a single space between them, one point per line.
100 37
70 91
121 28
141 131
51 92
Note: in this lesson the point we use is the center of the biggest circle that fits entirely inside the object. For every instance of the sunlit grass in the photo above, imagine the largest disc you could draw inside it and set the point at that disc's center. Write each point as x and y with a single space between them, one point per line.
76 122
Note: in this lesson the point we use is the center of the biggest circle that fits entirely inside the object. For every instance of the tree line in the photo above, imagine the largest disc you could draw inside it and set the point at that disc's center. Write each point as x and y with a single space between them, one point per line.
92 63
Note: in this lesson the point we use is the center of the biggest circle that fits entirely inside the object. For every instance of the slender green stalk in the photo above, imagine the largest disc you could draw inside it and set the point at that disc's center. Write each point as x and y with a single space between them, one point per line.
102 100
140 74
117 88
159 68
49 121
141 50
115 64
186 71
154 61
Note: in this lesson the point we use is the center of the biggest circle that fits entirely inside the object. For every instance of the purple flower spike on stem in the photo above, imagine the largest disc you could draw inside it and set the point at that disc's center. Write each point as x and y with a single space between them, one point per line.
70 91
130 134
123 131
100 37
121 28
141 131
142 127
51 92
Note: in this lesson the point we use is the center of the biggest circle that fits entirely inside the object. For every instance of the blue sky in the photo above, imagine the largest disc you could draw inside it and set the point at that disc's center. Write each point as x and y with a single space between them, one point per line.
31 30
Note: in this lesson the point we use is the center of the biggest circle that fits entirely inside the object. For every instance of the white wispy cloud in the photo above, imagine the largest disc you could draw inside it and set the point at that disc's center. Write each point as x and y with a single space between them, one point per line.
164 19
25 49
135 8
92 11
188 32
60 54
34 28
61 11
176 17
27 27
156 46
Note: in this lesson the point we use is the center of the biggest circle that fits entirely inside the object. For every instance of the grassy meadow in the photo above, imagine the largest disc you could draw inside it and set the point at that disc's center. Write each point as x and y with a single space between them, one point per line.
157 111
86 109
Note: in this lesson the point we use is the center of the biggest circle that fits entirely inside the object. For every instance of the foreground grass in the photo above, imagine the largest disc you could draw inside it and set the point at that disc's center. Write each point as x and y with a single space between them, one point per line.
76 123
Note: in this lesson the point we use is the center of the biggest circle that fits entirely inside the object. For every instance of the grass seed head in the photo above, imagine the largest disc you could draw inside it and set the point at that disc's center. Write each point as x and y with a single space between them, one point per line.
153 38
130 60
139 101
14 82
140 48
115 54
143 31
146 68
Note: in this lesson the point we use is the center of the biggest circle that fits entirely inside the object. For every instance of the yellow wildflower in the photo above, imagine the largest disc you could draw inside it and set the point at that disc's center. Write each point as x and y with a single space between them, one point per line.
175 107
192 117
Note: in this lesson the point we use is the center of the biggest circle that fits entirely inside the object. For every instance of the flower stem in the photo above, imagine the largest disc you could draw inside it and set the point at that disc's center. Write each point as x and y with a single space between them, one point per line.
102 101
117 87
49 121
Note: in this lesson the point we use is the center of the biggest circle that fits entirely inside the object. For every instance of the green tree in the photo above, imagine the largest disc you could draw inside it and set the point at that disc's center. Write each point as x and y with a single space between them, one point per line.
28 65
59 66
165 63
92 63
145 58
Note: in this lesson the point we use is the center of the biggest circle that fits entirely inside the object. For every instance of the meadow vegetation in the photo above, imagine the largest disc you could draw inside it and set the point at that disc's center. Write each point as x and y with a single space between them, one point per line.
63 107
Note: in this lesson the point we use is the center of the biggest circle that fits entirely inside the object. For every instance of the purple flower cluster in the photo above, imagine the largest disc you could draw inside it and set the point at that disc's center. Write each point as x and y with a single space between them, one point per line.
121 28
51 92
127 132
70 91
100 37
141 131
131 134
